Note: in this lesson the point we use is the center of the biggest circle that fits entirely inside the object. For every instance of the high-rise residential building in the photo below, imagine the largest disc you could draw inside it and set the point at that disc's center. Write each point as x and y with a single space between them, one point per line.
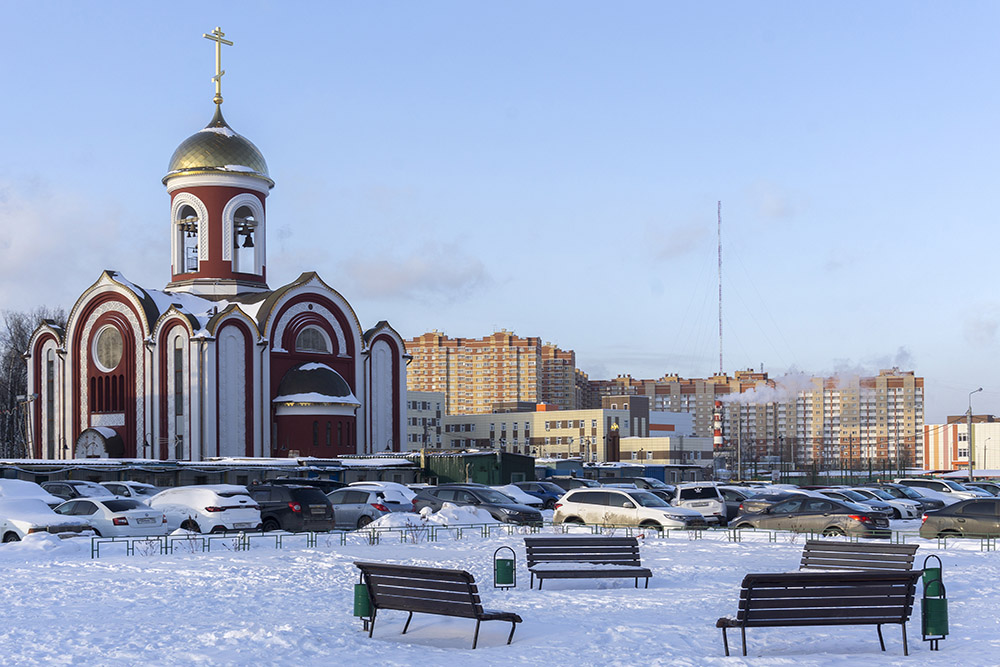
476 375
835 422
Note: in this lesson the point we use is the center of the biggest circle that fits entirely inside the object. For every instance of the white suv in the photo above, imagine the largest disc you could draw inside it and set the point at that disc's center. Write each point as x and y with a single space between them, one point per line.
702 497
942 486
623 507
211 508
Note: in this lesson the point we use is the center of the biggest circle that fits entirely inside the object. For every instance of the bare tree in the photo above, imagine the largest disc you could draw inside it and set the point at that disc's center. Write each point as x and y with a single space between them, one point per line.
14 336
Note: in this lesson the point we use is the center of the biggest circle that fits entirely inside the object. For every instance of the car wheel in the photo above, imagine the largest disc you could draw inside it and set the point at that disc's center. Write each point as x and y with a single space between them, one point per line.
11 537
270 525
743 526
550 504
191 525
896 514
833 531
364 521
97 532
575 520
949 533
218 529
652 525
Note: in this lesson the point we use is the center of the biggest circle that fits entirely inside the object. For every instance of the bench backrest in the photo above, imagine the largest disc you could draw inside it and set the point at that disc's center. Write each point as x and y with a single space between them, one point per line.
582 549
422 589
827 598
831 555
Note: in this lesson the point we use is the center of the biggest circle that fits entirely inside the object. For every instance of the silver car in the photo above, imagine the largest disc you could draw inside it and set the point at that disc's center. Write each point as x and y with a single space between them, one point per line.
355 507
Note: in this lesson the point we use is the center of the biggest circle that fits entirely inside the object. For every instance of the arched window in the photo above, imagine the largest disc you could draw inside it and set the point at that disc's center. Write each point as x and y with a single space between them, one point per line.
50 404
187 226
312 339
244 233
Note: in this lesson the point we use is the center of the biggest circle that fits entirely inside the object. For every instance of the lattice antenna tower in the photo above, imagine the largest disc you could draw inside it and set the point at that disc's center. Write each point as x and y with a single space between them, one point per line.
720 287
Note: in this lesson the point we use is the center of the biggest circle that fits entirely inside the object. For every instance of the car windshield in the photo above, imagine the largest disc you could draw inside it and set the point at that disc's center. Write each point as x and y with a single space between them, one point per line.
144 490
551 488
884 495
124 505
853 495
648 499
907 492
491 496
955 486
655 483
699 493
92 490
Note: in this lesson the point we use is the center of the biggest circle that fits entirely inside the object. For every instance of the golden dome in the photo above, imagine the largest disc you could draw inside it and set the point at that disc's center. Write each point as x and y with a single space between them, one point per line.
218 149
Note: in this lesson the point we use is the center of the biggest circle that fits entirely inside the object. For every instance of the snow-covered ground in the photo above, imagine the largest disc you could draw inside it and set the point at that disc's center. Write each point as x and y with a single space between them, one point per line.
294 607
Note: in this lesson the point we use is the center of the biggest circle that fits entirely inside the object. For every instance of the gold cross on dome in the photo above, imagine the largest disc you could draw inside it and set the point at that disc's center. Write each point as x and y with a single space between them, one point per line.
216 36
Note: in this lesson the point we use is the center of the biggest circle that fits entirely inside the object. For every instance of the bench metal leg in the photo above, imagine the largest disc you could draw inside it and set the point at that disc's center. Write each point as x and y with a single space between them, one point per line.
407 625
725 640
475 638
906 650
647 582
880 640
371 624
743 634
514 625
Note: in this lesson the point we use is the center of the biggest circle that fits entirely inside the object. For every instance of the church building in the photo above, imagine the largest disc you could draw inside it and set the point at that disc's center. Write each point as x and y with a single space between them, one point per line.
216 363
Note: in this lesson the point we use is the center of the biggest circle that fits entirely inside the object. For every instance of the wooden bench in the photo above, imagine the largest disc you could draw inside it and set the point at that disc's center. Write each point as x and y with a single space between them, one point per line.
584 557
832 555
428 590
823 598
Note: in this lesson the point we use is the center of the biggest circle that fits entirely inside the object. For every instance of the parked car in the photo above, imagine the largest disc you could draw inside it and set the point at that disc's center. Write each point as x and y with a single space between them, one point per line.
620 506
991 488
734 497
394 493
138 490
807 513
904 508
979 517
909 493
68 489
568 483
702 497
501 507
547 492
208 508
760 501
324 485
520 497
116 517
357 506
860 499
15 489
945 486
293 508
638 482
22 516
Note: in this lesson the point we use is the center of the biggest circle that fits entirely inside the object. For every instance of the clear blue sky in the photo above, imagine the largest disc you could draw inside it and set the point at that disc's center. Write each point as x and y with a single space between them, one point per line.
548 167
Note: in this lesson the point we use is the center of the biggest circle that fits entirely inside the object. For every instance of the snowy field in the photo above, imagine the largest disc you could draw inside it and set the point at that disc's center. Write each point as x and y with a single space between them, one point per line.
294 607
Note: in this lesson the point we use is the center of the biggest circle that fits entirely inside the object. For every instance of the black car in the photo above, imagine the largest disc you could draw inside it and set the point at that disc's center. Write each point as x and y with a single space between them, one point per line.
324 485
904 492
501 507
292 508
967 518
761 501
820 515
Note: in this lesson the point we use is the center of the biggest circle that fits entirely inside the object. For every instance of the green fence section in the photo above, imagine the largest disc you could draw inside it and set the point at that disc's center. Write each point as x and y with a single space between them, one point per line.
244 541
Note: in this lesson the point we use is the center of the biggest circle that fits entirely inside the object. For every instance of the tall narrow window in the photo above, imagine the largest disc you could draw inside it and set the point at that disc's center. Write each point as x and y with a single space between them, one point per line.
329 428
187 227
178 377
340 434
50 404
244 233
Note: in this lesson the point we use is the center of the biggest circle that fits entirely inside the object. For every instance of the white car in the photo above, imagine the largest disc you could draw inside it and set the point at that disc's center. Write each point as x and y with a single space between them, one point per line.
116 517
138 490
67 489
613 506
702 497
21 516
13 489
946 498
209 508
391 491
906 509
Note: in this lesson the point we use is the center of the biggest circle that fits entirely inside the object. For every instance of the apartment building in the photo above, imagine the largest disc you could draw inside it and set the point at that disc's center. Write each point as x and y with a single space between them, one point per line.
424 420
476 375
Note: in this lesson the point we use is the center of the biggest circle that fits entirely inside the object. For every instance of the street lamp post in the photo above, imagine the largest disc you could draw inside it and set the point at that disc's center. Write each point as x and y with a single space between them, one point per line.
972 441
983 462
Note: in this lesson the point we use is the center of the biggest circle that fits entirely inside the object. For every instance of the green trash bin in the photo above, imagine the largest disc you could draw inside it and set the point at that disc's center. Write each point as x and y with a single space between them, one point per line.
504 575
362 603
933 605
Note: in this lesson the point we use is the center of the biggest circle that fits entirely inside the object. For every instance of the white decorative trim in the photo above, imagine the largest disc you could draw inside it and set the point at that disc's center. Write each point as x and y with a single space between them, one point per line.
228 213
107 307
176 244
222 180
320 310
108 419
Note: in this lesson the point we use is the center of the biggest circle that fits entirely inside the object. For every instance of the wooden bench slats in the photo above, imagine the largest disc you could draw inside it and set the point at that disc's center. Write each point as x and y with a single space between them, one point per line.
426 590
824 598
831 555
621 552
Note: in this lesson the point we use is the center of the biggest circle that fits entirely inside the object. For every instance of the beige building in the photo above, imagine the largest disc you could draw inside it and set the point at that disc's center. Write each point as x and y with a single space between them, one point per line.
946 446
476 375
424 415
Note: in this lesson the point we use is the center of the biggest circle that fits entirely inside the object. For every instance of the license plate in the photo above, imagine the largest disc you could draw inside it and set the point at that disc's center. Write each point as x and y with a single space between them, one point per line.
699 504
881 522
146 520
318 509
242 524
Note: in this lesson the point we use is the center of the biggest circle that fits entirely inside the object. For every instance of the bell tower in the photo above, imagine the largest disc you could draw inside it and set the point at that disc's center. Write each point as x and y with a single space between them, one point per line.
218 184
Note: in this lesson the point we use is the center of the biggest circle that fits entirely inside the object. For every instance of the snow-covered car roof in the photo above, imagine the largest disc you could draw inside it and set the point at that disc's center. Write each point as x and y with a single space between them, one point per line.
400 489
519 495
18 488
200 491
32 512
